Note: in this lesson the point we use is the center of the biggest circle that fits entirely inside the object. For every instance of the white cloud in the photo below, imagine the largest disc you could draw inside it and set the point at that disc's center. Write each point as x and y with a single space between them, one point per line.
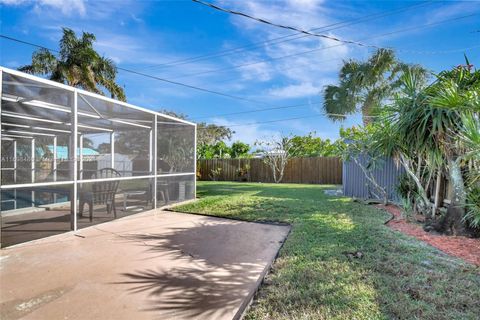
301 74
13 2
295 90
66 7
257 72
307 4
56 10
451 10
248 134
298 13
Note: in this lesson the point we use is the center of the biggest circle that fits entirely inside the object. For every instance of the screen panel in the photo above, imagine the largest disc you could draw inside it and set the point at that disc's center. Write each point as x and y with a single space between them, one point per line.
33 213
103 122
175 189
125 197
175 147
33 115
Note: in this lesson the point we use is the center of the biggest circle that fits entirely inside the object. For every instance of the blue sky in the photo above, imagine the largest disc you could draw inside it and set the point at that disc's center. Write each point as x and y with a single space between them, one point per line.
146 35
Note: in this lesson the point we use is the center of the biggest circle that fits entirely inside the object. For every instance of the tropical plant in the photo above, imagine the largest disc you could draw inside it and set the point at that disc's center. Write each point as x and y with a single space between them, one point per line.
472 214
215 173
422 131
212 133
210 138
407 135
77 65
277 152
356 146
365 86
239 149
311 146
470 137
243 172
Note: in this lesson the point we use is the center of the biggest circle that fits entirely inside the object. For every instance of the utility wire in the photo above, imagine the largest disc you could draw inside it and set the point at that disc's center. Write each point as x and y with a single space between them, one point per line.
291 37
242 112
256 101
238 66
258 110
282 120
424 52
286 27
428 25
148 75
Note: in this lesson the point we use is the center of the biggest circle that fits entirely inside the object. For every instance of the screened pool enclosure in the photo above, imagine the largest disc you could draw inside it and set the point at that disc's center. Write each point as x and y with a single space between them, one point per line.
71 158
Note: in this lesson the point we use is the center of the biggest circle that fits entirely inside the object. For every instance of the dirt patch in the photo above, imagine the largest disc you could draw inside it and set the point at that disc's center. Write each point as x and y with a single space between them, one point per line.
465 248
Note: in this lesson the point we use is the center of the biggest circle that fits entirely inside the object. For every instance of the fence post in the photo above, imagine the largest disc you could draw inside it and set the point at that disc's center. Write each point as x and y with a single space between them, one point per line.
318 170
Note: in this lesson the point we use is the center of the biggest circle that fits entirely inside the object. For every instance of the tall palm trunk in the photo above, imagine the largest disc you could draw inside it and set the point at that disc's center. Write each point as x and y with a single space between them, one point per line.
451 222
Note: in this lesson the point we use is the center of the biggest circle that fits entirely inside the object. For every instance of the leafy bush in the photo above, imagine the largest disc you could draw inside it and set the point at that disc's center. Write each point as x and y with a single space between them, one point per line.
243 172
405 187
472 213
407 192
215 173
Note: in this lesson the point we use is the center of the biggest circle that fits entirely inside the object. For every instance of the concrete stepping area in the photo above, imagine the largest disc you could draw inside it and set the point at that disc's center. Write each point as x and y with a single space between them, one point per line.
154 265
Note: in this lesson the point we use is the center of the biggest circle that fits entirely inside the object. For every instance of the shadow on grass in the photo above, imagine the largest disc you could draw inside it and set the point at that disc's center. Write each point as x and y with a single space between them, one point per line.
397 277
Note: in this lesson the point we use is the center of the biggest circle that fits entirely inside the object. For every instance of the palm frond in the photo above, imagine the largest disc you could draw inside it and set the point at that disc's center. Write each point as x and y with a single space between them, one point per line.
336 103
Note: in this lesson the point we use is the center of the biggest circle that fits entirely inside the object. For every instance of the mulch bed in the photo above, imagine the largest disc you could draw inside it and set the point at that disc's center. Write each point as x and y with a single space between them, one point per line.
465 248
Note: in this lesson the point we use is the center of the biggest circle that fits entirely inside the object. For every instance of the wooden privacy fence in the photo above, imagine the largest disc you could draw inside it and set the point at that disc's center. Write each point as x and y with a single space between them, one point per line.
318 170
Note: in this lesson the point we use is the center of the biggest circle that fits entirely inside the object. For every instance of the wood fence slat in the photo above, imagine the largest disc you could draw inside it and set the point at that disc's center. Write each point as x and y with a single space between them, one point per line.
319 170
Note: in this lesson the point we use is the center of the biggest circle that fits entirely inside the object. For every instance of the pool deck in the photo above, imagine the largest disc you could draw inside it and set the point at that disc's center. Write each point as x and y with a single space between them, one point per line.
152 265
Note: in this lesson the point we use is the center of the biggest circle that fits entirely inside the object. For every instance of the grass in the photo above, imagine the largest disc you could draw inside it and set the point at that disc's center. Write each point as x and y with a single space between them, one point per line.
398 277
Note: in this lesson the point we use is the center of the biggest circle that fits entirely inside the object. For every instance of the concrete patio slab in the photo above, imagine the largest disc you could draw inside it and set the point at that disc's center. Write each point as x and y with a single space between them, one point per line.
154 265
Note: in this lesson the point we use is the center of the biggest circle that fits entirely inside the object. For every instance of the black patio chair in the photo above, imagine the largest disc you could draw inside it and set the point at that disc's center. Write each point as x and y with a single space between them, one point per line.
103 192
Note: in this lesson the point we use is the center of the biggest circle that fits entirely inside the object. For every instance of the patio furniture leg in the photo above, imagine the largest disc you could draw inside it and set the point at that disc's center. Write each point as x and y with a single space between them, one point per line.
167 196
80 209
90 207
163 195
114 210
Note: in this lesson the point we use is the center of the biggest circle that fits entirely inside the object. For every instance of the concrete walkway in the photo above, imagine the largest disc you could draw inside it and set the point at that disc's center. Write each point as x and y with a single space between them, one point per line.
148 266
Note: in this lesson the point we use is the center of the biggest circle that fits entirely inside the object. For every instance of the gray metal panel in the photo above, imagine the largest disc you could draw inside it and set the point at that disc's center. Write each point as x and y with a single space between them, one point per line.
355 184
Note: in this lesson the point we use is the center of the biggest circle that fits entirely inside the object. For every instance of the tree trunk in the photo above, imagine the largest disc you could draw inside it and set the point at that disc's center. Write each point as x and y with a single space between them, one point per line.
421 189
370 177
437 192
451 222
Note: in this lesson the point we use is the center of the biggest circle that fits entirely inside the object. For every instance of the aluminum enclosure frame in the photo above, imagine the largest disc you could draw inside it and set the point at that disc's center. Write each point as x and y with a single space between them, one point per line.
40 127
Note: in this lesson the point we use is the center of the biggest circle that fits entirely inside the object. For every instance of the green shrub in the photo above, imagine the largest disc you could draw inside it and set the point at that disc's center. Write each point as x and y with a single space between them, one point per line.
472 212
215 173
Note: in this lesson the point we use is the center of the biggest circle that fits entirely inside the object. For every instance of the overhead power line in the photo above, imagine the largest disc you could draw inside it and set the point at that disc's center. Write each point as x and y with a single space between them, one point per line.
283 120
249 64
257 110
189 86
320 35
277 58
423 52
291 37
419 27
148 75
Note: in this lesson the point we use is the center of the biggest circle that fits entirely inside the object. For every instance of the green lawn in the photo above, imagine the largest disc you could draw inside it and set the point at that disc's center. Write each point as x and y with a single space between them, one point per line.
398 277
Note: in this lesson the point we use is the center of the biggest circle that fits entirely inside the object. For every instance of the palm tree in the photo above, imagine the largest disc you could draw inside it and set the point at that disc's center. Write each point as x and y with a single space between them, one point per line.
364 86
470 137
429 124
77 65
